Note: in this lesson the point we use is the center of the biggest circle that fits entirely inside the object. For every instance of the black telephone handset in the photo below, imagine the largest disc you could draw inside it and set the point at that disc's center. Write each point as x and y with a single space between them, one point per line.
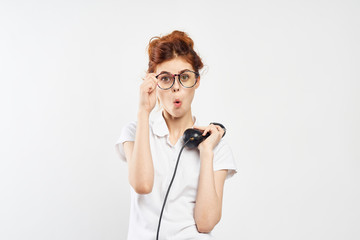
193 137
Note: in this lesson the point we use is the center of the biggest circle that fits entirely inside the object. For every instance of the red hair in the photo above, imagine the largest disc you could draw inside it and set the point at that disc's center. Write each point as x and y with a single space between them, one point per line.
175 44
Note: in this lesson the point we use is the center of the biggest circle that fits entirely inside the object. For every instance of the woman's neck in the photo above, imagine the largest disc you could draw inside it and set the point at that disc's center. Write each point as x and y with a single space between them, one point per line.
177 125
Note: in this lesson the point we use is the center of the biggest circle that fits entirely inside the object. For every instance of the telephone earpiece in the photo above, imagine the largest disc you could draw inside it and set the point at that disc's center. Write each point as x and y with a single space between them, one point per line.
193 137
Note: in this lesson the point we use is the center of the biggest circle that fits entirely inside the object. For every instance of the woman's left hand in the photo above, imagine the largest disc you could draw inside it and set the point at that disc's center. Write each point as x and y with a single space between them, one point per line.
216 133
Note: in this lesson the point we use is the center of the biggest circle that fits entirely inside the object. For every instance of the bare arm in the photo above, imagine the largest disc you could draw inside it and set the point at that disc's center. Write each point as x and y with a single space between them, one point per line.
138 154
208 205
209 197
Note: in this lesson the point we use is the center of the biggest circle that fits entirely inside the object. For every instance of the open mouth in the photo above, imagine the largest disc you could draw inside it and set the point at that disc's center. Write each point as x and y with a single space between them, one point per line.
177 103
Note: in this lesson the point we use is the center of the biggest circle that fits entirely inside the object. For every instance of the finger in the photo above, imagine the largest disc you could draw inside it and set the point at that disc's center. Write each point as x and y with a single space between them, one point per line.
221 131
215 129
148 87
205 132
208 129
147 75
153 85
155 80
151 89
151 76
218 128
151 79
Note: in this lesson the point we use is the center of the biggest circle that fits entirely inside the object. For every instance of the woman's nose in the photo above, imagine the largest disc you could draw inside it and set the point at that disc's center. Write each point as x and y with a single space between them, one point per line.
176 86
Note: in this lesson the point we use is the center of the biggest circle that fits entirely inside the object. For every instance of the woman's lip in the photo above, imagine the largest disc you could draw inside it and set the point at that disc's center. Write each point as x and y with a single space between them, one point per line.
177 103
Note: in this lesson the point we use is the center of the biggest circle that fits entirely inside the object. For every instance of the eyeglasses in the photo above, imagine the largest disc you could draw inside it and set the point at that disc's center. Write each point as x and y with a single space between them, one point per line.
187 79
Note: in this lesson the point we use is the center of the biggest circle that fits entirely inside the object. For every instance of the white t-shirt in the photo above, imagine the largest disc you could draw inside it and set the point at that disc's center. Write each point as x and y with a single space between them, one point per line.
177 222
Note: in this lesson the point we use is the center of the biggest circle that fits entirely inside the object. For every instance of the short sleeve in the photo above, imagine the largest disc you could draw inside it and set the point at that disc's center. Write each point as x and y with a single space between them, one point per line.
224 159
127 134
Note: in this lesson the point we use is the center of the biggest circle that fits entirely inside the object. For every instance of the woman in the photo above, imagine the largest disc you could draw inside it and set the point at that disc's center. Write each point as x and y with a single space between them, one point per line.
151 148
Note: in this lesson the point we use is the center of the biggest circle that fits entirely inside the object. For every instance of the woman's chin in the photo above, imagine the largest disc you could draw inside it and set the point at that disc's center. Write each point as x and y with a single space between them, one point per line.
176 112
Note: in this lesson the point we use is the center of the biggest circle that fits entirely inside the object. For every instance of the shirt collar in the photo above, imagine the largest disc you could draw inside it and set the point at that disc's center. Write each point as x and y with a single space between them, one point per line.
160 128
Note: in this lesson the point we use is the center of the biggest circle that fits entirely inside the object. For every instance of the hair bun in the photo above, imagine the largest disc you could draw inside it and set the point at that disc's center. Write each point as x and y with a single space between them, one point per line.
175 44
181 36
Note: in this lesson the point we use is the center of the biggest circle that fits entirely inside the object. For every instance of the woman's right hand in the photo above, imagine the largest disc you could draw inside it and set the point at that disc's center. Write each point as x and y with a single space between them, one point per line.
148 93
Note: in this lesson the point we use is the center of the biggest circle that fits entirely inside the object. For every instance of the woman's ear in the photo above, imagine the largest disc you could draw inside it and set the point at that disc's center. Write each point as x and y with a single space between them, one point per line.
197 83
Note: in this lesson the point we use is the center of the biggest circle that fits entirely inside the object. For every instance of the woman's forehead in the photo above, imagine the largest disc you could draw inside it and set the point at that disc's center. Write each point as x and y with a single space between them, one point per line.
175 65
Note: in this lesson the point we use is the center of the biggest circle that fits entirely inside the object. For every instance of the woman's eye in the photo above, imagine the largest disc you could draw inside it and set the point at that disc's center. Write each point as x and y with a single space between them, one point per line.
184 77
165 78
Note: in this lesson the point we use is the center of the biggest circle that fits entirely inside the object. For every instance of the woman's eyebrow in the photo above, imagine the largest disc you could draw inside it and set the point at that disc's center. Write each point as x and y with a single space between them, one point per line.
184 70
164 72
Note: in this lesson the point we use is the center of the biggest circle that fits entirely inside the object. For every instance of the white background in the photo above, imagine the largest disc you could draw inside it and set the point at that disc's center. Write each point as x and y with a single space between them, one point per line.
282 76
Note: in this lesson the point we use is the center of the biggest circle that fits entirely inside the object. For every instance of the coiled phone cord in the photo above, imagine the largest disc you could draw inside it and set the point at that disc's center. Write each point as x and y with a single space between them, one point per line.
167 193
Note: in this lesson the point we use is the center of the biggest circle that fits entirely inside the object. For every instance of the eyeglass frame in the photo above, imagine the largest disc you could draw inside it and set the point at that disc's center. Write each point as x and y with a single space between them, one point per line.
178 75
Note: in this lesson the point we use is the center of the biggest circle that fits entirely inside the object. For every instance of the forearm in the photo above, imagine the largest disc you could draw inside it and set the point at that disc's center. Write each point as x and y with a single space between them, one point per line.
208 206
141 169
